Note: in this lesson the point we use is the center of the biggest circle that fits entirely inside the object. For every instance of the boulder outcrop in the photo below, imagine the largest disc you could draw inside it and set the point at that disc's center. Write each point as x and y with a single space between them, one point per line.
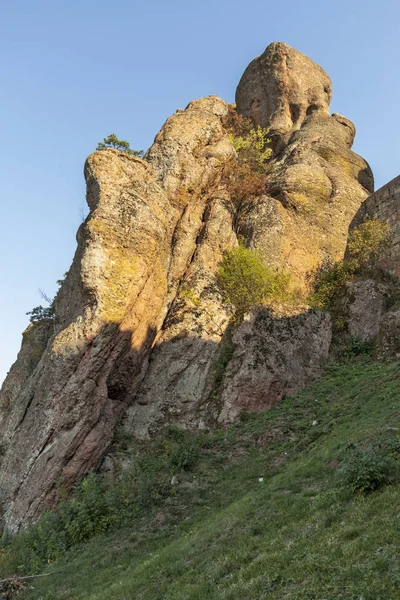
315 183
365 303
140 324
384 205
108 311
274 356
372 302
280 88
388 340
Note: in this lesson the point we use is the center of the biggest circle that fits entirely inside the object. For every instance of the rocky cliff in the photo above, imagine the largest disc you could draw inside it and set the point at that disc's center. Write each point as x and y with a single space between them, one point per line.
372 301
141 328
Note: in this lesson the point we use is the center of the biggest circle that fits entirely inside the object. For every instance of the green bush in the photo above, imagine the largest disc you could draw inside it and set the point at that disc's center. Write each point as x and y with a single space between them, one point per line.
182 449
246 281
252 146
367 471
328 281
359 347
367 241
41 313
113 142
99 503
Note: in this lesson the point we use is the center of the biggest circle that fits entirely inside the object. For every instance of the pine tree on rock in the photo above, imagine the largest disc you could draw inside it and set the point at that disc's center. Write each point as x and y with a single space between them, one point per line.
113 142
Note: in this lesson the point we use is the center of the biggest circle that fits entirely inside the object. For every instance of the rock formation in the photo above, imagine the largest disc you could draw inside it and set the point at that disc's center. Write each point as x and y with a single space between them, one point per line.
373 302
140 322
384 205
316 183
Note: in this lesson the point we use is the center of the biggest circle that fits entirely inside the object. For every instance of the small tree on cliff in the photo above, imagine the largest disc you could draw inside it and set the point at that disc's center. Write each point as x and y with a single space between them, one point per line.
41 313
113 142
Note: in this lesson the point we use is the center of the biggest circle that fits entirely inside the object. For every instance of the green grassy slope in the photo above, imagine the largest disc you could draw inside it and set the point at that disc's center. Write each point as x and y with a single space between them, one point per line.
301 533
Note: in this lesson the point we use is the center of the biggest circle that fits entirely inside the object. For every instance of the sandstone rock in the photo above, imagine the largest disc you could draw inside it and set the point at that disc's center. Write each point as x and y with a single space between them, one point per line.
190 147
368 300
34 342
140 320
182 358
384 205
314 187
388 342
273 357
110 307
315 183
107 313
281 87
365 302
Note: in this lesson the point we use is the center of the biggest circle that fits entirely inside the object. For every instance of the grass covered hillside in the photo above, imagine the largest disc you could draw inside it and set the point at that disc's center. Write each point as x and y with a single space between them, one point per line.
300 502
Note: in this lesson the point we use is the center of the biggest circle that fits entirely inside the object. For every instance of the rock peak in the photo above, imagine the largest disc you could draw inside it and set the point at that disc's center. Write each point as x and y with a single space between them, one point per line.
280 88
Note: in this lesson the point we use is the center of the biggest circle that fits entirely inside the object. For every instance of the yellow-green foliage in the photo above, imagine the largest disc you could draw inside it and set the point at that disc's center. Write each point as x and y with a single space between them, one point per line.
365 243
329 281
190 295
367 240
246 177
253 145
246 281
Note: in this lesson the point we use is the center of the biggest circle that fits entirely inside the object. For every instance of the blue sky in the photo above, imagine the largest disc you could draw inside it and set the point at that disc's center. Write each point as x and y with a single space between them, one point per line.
73 71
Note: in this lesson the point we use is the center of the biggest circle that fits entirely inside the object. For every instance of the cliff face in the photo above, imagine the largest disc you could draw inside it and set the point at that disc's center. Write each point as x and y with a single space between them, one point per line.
140 324
373 302
384 205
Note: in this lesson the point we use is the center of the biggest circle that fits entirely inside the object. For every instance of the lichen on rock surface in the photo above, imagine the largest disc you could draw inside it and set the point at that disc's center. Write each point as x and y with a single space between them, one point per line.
281 87
141 324
315 183
274 356
371 302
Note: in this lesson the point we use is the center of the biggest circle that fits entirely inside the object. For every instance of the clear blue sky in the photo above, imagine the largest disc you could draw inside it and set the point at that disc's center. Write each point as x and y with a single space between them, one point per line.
73 71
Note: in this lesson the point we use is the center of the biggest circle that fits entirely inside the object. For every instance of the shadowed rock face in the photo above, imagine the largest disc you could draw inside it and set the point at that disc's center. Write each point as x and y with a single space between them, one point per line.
109 310
371 304
140 320
384 205
274 356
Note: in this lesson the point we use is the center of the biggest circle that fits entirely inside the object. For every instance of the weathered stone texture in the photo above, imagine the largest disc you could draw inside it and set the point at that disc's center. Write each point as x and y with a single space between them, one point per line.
63 420
371 303
274 356
388 342
365 305
110 307
281 87
139 318
384 205
34 342
182 358
315 183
